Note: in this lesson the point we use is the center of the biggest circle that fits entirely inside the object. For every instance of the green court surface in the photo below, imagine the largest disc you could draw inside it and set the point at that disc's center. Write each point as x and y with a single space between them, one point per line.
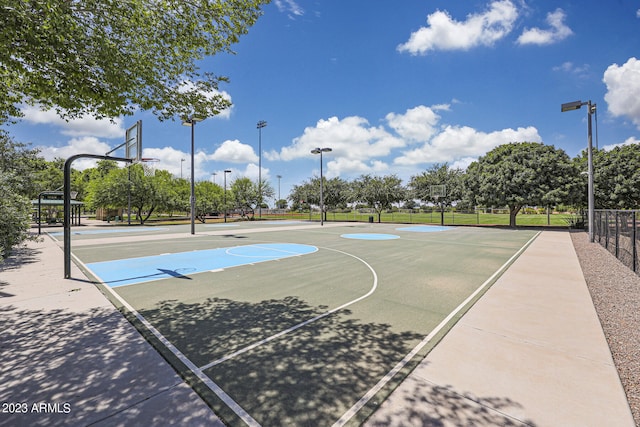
309 339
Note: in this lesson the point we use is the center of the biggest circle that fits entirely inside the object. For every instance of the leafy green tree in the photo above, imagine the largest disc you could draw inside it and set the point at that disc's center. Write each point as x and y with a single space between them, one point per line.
335 193
208 198
18 168
246 195
379 193
137 183
110 58
616 177
522 173
174 193
438 174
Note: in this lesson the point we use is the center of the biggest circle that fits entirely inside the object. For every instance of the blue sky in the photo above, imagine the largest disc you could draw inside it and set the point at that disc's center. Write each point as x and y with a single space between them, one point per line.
392 87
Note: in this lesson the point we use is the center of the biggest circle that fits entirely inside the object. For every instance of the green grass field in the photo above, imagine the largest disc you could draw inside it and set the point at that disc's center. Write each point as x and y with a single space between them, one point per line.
450 218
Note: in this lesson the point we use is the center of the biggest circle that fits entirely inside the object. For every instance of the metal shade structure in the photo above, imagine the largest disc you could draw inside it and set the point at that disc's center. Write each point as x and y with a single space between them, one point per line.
191 122
576 105
320 151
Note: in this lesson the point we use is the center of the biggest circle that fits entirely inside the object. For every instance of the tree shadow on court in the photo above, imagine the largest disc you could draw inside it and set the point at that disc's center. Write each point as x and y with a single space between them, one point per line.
93 367
309 377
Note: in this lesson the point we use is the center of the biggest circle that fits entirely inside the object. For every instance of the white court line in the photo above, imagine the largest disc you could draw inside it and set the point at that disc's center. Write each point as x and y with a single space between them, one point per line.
215 388
371 393
305 323
230 252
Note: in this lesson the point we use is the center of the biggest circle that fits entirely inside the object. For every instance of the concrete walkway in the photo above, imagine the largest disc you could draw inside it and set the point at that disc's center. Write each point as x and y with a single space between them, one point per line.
69 358
530 352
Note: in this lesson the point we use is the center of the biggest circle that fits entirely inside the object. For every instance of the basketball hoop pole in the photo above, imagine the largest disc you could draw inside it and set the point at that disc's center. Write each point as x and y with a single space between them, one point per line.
67 203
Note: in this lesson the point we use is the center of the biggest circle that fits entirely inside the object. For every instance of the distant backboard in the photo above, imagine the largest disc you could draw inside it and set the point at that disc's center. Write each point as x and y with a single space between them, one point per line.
133 142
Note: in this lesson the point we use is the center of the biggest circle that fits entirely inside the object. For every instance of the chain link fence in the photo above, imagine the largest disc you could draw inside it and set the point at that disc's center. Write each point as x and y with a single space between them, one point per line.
619 233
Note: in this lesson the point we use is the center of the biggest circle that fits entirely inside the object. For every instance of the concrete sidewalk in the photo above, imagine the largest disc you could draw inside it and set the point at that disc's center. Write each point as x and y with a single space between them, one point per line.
69 358
530 352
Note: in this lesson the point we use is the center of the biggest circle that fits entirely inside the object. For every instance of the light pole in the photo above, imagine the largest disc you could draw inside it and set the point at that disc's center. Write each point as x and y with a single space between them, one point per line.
181 162
591 108
214 176
191 122
261 124
279 178
226 171
320 151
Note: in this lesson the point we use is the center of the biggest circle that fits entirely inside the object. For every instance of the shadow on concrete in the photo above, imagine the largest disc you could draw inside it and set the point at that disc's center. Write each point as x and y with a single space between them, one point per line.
309 377
20 256
420 403
79 369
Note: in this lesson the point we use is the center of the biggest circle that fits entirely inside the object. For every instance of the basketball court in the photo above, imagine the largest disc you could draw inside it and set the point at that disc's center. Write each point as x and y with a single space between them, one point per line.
290 323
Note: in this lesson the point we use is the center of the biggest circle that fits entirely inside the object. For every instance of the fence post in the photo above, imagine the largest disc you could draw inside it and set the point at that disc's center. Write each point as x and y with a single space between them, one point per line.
635 242
617 235
606 235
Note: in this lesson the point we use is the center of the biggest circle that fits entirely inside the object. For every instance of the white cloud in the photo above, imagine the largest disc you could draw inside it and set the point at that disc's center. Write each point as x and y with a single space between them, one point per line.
234 152
357 146
623 90
628 141
290 7
459 142
417 124
558 31
352 138
444 33
251 172
83 145
86 126
170 160
571 68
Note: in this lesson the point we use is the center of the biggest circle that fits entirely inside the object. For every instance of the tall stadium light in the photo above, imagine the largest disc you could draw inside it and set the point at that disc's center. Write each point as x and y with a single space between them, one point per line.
591 108
261 124
191 122
320 151
279 178
226 171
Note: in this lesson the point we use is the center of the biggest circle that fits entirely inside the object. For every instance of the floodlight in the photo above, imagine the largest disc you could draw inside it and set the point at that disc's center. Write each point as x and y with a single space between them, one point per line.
570 106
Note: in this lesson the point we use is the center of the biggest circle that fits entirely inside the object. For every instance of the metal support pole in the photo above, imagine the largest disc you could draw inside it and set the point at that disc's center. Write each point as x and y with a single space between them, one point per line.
67 203
590 173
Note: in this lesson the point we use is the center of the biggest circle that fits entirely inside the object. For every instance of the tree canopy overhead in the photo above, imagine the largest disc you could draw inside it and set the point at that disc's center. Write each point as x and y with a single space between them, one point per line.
111 57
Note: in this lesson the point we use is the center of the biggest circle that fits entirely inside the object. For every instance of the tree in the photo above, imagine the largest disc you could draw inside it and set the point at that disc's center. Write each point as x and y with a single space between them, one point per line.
378 193
616 177
144 189
438 174
109 58
18 168
335 193
246 195
208 198
522 173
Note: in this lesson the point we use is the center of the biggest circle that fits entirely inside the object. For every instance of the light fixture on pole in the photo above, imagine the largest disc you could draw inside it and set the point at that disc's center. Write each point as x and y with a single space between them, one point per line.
320 151
279 178
226 171
191 122
591 108
261 124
